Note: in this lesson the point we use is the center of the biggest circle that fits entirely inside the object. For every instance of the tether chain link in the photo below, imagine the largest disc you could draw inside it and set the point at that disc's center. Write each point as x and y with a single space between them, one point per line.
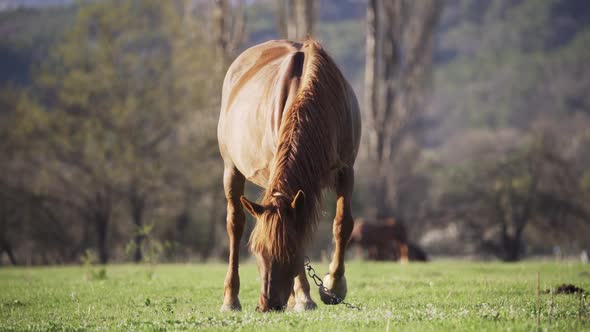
318 281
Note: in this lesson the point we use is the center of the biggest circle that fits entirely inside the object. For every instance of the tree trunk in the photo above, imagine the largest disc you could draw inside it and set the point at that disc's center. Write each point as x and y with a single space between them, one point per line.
373 81
137 204
304 18
219 26
6 247
511 249
291 21
388 118
139 235
511 244
101 236
394 74
371 70
295 18
281 18
229 26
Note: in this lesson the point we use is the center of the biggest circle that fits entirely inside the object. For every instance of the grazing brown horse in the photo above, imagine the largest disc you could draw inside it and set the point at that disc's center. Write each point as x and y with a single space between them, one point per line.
289 123
383 240
416 254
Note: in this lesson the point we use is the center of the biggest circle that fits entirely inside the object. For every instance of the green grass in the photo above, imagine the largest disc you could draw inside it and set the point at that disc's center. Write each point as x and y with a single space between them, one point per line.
445 295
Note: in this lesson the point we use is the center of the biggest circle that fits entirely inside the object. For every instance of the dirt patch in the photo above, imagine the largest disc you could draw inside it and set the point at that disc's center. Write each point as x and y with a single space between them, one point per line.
567 289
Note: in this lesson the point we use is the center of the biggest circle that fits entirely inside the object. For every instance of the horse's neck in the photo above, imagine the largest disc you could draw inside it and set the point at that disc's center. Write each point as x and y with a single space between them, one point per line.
288 181
285 190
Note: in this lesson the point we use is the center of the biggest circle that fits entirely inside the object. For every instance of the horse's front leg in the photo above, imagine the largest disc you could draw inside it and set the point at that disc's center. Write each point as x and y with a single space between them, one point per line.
341 229
300 300
233 185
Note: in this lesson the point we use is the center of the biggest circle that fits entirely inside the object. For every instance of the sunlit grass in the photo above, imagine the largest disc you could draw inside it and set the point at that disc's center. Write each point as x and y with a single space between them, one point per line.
446 295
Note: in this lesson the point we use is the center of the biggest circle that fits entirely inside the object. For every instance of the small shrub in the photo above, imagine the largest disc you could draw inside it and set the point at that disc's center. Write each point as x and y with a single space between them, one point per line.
150 247
90 262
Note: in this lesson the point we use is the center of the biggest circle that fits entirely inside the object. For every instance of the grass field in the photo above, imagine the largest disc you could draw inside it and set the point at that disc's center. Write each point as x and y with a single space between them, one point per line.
445 295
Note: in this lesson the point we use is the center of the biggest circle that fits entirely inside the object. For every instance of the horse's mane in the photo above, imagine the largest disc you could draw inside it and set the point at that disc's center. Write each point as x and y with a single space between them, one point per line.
306 152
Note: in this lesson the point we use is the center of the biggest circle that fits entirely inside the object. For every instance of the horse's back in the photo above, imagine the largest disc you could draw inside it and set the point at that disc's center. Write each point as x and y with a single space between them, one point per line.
380 231
259 87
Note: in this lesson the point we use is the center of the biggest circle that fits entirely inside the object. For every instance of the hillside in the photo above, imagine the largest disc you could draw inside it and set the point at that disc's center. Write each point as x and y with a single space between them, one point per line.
14 4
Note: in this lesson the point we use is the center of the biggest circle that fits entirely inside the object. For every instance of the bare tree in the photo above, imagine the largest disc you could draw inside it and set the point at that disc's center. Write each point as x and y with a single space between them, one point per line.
295 18
534 187
371 65
400 37
282 15
229 28
304 17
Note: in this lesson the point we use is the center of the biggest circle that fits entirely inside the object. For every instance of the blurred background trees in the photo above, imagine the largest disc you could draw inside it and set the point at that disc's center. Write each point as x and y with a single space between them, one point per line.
295 18
533 188
121 98
476 122
399 57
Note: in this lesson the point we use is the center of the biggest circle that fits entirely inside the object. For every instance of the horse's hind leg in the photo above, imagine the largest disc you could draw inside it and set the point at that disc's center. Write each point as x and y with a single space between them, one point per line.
403 253
233 185
341 229
300 300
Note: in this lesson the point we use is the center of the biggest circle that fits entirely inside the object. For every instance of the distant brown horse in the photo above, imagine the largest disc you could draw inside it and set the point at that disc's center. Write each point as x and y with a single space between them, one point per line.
289 123
384 240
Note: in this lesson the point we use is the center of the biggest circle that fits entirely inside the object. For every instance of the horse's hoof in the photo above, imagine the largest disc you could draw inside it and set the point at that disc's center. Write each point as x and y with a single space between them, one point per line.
235 306
304 306
336 287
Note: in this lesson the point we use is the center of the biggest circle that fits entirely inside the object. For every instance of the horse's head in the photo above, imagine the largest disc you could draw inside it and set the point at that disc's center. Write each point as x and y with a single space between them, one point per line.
276 243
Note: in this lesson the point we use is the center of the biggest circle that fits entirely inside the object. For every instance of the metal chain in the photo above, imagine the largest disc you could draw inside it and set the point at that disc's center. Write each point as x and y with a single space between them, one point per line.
318 281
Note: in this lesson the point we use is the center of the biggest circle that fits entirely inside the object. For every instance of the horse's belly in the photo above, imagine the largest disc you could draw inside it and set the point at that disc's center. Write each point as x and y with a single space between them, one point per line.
254 165
260 178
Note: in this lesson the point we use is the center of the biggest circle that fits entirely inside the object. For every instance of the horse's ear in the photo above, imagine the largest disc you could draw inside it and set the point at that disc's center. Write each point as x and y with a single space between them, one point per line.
298 202
256 210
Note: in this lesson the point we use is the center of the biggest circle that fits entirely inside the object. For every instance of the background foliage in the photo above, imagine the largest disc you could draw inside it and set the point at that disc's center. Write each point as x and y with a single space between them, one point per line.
108 114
